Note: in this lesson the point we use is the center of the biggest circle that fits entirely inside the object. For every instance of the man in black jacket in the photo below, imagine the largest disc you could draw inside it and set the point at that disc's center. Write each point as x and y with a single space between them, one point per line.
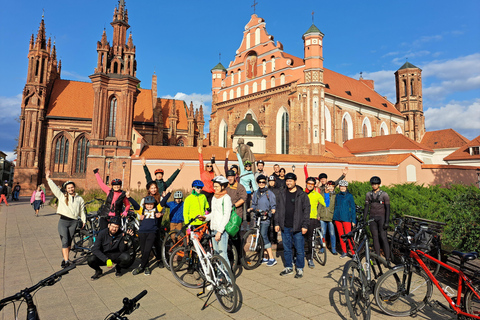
292 218
110 247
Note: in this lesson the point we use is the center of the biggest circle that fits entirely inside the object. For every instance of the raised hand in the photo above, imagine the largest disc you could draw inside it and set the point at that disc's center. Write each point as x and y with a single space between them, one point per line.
228 153
144 162
47 174
345 171
200 149
181 165
127 193
95 170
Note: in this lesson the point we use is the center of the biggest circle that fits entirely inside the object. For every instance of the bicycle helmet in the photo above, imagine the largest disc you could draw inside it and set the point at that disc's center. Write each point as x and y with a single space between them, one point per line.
197 184
220 180
231 173
178 195
322 175
149 199
271 178
247 163
67 183
331 183
291 176
116 182
115 220
311 179
234 166
343 183
159 171
260 162
375 180
261 177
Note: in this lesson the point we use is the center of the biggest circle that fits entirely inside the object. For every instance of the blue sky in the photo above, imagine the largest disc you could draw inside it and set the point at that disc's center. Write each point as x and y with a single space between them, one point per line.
181 42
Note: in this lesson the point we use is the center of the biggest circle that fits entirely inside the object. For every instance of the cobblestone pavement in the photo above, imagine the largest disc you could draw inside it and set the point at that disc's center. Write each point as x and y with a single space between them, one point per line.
30 251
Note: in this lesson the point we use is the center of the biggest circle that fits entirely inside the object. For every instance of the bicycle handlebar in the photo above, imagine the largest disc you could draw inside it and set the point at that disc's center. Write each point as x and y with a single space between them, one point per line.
129 305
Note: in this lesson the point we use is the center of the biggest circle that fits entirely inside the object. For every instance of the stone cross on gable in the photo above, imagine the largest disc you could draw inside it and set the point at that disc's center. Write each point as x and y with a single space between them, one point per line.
254 5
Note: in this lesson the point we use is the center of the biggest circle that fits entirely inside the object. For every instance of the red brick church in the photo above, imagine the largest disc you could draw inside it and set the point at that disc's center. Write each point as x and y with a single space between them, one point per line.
72 127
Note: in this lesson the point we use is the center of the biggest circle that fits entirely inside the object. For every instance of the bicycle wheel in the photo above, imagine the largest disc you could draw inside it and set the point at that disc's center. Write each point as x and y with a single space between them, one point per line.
378 265
225 288
232 256
356 291
185 267
82 242
397 248
391 292
317 248
252 245
134 249
170 242
472 303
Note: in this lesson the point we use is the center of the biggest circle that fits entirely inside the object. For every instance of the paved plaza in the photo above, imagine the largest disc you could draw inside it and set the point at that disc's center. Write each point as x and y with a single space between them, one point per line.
30 251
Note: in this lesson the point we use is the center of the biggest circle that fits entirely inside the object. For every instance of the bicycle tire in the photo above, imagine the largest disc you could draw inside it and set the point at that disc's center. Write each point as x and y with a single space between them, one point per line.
82 242
133 251
378 265
232 256
472 303
225 288
390 295
354 286
252 256
317 247
185 267
170 242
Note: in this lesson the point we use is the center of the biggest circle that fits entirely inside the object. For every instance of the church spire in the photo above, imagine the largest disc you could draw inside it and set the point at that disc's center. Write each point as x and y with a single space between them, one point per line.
41 43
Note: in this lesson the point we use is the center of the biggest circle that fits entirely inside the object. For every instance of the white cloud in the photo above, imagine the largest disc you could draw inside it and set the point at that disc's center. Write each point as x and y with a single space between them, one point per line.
10 107
459 115
10 155
384 82
198 99
72 75
410 54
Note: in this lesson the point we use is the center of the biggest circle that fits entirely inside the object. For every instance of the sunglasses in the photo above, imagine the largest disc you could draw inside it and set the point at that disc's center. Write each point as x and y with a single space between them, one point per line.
312 184
262 182
208 166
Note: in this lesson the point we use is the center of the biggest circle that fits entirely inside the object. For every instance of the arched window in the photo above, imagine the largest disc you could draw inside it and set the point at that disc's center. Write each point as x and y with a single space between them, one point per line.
366 128
231 93
264 67
222 139
180 143
344 130
239 76
273 63
263 84
83 146
254 87
232 78
257 36
61 154
250 127
405 87
399 130
383 129
272 82
248 40
364 131
347 127
239 92
245 89
411 88
282 131
328 125
285 135
282 78
224 95
112 117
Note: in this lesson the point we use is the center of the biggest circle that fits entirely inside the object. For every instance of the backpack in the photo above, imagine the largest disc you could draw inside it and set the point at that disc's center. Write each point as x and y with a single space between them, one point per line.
233 225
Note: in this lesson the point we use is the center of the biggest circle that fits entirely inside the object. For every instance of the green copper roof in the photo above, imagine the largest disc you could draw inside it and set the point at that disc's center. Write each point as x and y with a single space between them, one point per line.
248 127
312 29
219 66
408 65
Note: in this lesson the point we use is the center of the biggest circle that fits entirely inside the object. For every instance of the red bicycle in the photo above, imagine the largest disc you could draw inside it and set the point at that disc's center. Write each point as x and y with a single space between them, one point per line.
406 289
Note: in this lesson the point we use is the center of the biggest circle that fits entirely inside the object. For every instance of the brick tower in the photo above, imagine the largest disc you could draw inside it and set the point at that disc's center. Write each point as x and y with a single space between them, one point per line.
115 91
43 69
408 82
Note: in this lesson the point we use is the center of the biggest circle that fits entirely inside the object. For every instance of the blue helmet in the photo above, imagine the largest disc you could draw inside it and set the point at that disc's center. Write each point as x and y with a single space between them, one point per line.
149 199
197 184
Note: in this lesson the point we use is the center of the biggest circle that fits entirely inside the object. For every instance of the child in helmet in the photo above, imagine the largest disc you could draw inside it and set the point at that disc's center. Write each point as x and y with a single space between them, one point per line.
116 202
176 208
150 215
195 204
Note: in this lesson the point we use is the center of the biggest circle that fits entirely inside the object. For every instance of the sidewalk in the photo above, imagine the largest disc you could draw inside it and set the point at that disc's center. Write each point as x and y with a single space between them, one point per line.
30 251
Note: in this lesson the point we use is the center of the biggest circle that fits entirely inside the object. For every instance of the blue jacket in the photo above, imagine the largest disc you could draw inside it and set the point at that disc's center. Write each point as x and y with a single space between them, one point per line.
344 208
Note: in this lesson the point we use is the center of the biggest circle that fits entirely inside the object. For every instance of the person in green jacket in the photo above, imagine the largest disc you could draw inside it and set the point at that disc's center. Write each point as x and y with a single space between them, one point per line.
316 199
325 215
161 184
195 204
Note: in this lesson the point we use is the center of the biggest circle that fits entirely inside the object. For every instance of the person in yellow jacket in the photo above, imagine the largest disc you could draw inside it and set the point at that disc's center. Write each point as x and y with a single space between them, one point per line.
195 204
316 199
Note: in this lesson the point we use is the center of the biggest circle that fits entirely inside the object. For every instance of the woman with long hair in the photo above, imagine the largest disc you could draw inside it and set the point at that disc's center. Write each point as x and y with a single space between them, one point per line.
70 207
37 199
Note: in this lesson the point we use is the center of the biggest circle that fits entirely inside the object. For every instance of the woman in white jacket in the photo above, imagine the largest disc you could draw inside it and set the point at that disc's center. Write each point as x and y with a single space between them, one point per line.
219 217
70 207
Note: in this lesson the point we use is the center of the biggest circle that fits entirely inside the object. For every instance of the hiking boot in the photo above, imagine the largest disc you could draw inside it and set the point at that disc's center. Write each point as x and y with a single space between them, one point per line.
286 272
97 274
137 271
311 265
147 271
299 274
271 262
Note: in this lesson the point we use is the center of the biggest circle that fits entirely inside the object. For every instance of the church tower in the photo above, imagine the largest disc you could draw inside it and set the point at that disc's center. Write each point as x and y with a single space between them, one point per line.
115 91
408 82
43 70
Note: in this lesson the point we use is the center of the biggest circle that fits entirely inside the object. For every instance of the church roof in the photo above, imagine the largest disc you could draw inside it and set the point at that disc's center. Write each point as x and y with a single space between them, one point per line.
383 143
336 150
312 29
355 90
463 153
71 99
143 111
219 66
408 65
181 108
441 139
255 129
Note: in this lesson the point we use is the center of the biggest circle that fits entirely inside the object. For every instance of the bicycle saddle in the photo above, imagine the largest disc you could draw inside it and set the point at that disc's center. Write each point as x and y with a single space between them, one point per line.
465 256
347 235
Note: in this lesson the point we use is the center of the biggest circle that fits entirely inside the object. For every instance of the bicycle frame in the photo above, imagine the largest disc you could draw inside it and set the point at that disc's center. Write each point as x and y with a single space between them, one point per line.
462 278
204 258
254 243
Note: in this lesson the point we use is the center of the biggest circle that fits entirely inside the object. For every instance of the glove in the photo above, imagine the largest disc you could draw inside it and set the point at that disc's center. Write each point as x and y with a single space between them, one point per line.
95 170
109 263
385 227
212 160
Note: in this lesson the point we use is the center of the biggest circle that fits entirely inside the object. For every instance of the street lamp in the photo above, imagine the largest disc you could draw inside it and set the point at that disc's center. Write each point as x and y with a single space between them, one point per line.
293 168
123 173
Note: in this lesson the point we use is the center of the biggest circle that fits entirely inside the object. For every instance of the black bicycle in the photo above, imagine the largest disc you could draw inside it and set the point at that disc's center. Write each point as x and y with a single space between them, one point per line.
84 238
28 293
129 305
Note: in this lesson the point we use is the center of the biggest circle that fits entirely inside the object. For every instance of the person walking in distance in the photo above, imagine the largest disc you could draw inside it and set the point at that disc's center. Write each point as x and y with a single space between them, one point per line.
344 215
37 199
4 195
70 207
292 218
16 192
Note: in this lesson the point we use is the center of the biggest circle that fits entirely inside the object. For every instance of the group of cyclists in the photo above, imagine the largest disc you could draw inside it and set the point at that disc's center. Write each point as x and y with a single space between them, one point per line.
290 209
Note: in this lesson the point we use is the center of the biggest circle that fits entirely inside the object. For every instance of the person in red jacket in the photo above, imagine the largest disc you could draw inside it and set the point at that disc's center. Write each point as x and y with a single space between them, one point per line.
206 175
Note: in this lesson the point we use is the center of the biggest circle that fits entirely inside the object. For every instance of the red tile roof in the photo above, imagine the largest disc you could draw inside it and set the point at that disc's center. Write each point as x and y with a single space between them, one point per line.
143 110
336 150
382 143
440 139
72 99
338 85
448 166
463 153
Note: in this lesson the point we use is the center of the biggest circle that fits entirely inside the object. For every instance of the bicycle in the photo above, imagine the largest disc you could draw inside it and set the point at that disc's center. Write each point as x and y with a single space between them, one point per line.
130 222
27 296
84 238
252 243
359 273
129 305
194 267
406 289
319 248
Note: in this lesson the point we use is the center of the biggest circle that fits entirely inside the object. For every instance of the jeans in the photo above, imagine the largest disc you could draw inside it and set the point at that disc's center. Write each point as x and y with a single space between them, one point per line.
291 239
264 226
15 195
221 246
331 230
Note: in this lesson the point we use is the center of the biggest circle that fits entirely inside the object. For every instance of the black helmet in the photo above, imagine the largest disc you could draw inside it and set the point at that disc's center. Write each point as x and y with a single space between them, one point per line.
291 176
312 179
149 199
375 180
231 173
272 178
322 175
115 220
116 182
261 177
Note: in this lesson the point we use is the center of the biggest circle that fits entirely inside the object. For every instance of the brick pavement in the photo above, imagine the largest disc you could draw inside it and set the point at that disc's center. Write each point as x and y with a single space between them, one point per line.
30 251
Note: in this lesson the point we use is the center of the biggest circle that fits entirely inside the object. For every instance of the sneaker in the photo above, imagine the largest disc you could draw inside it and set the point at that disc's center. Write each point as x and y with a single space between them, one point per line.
271 262
137 271
299 274
160 264
343 255
67 263
62 264
264 261
118 273
147 271
311 265
334 252
286 272
97 274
